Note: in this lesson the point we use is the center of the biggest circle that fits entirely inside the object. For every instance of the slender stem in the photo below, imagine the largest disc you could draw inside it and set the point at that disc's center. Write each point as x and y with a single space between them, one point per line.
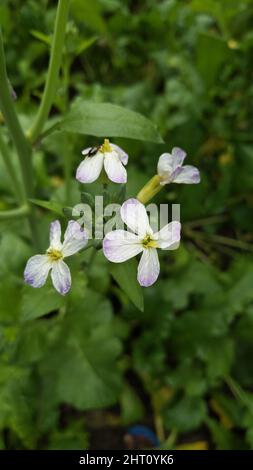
10 116
14 213
53 71
22 145
17 186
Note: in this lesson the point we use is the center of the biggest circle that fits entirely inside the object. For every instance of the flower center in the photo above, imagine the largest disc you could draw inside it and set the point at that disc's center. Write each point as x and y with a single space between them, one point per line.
147 242
105 147
54 255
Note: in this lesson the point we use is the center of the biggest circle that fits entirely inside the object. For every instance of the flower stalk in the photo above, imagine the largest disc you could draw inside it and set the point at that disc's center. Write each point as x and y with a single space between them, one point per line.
150 189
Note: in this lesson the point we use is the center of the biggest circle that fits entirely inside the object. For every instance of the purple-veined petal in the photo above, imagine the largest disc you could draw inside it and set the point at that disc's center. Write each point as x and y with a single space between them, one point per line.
134 215
178 157
188 175
90 168
36 270
149 267
169 165
114 168
61 277
55 235
75 238
120 245
168 238
122 154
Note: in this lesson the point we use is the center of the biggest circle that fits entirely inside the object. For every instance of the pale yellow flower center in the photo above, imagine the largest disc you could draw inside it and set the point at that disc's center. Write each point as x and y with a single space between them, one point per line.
54 255
147 242
105 147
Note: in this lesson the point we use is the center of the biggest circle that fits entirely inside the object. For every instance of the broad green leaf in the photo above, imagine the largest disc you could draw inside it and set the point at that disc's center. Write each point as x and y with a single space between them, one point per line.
108 120
39 302
125 274
83 362
52 206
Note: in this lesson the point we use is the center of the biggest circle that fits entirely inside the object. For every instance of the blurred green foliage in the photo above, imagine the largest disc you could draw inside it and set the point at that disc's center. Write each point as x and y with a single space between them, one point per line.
184 364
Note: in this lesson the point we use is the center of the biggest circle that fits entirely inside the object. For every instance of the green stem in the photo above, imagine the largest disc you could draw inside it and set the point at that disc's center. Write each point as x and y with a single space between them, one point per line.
17 187
53 71
14 213
22 145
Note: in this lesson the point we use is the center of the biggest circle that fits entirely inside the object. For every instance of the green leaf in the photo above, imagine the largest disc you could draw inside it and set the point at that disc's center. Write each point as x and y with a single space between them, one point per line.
82 364
16 411
125 274
39 302
52 206
41 37
108 120
132 408
185 414
73 437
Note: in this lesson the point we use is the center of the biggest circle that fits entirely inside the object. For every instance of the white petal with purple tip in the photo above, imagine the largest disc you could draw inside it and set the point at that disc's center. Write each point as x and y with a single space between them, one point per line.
149 267
61 277
55 235
168 238
178 157
90 168
75 239
188 175
114 168
134 215
119 246
36 270
122 155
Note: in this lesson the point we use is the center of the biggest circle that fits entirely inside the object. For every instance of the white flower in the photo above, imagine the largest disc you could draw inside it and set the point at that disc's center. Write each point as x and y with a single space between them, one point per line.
170 169
121 245
109 156
38 266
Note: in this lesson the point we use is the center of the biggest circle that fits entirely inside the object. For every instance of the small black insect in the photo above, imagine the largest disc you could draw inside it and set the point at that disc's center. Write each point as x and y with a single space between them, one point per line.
92 151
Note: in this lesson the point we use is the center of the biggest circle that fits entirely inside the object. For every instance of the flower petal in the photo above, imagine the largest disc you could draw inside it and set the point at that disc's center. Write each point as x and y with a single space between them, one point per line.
121 153
61 277
36 270
114 168
149 267
119 245
178 157
75 238
169 165
168 238
90 168
188 175
165 167
134 215
55 235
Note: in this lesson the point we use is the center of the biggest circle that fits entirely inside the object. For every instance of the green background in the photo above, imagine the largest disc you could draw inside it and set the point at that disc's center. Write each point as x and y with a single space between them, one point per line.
76 372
